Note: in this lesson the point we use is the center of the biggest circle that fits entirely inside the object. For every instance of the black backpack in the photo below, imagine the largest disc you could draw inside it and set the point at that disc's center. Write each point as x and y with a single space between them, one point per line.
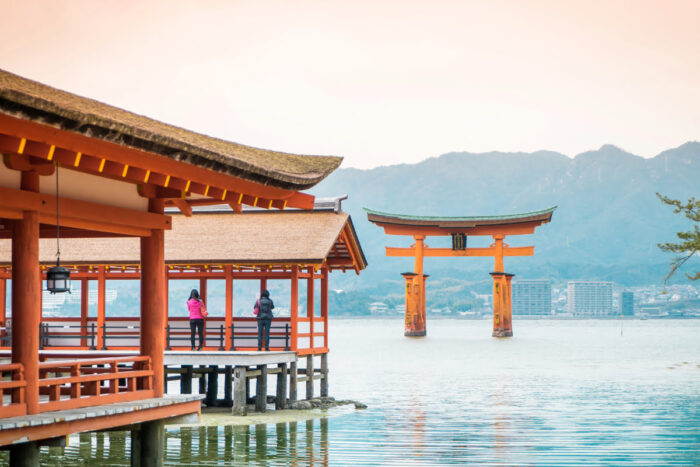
265 308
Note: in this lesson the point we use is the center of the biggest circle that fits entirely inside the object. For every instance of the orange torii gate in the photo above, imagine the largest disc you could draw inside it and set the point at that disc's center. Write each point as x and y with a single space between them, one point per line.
498 227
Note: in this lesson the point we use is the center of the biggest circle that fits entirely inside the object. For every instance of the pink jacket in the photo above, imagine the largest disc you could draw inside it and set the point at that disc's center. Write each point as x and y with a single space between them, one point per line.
195 307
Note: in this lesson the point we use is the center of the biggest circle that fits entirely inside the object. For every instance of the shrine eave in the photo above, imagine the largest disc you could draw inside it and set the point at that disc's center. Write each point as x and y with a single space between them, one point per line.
452 223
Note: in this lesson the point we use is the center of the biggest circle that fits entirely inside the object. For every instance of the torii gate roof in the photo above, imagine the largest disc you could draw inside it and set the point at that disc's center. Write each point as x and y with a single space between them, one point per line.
445 225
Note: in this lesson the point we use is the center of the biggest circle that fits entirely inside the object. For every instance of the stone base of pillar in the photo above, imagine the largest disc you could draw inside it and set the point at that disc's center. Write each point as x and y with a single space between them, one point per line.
502 333
415 333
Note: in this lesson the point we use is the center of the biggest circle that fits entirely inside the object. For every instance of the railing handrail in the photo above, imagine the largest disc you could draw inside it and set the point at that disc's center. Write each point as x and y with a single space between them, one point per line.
11 367
93 361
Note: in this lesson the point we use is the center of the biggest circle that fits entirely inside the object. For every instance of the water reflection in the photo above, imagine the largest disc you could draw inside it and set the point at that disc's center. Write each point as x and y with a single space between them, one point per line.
292 443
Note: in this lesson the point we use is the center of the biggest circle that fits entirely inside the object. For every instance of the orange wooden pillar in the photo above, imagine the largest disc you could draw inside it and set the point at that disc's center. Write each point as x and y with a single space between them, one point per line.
101 307
508 311
228 306
153 313
26 295
324 304
294 307
84 284
203 296
263 284
497 303
415 293
502 319
310 305
3 299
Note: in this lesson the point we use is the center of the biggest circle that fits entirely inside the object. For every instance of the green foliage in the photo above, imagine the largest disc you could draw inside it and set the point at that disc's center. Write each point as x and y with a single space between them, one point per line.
689 244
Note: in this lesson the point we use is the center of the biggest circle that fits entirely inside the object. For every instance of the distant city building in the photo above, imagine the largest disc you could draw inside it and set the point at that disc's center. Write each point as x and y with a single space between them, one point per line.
590 298
627 303
532 297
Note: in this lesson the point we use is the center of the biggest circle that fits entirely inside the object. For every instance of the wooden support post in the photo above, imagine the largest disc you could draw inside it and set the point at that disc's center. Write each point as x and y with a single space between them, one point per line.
101 292
203 289
228 384
261 390
24 455
228 306
324 305
26 295
508 308
203 296
293 377
294 305
498 255
240 402
151 445
186 380
84 285
153 312
309 377
411 321
263 284
310 305
281 398
202 379
3 299
501 323
324 375
212 385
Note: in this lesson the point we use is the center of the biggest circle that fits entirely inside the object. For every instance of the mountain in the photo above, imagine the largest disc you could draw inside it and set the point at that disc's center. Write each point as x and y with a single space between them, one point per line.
606 226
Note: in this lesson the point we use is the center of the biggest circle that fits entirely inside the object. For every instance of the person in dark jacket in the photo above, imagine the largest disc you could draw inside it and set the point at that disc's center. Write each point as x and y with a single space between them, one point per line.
265 307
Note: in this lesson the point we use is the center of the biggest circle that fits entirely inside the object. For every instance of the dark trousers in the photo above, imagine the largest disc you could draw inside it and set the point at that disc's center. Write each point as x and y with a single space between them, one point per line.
194 325
264 331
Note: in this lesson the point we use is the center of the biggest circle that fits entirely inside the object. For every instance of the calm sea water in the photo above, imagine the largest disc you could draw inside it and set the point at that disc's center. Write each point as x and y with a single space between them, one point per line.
558 393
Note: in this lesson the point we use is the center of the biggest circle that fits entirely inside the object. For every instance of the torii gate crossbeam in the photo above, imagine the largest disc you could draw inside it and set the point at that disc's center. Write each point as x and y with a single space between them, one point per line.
460 228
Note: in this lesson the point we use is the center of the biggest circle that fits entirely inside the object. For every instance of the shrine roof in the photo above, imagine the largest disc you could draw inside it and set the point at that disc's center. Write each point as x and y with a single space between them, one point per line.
29 100
250 238
451 222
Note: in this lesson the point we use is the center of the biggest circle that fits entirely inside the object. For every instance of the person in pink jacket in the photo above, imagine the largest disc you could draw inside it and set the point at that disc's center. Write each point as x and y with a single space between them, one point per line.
195 305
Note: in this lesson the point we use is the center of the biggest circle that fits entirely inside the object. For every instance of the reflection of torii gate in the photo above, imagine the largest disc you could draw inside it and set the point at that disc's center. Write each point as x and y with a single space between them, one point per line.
459 228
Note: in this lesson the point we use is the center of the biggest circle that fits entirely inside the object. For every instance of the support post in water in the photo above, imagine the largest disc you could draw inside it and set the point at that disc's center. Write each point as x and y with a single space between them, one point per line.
239 391
261 390
281 397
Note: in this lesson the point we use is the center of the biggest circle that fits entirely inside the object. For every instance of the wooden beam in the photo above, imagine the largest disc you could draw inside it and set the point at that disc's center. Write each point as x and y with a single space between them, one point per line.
183 206
507 251
198 177
523 228
86 212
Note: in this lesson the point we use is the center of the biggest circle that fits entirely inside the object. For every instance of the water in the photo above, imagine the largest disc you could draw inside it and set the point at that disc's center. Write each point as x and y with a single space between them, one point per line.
558 393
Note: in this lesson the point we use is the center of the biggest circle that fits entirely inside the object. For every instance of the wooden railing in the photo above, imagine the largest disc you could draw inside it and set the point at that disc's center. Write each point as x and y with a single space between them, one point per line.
12 384
91 382
123 333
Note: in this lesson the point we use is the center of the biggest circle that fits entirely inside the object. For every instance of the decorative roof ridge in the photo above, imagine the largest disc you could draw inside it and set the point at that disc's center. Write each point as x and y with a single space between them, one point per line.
460 218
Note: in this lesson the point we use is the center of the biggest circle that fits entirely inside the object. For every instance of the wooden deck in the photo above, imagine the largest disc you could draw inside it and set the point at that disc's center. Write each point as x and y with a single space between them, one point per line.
56 424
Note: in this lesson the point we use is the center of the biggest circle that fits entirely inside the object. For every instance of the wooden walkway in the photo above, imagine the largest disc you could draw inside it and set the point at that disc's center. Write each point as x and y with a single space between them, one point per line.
50 425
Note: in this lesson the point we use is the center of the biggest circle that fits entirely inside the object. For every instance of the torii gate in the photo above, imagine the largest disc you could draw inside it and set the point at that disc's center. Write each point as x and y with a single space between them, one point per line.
459 228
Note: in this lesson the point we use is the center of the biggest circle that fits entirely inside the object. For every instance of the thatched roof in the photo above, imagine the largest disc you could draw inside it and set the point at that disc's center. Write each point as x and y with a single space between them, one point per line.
257 238
30 100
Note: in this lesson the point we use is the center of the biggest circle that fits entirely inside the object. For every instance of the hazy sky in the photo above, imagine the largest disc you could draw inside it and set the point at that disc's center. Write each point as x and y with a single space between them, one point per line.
379 82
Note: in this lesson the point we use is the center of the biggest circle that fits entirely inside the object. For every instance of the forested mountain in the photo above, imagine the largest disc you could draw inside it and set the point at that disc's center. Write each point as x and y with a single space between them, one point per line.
606 226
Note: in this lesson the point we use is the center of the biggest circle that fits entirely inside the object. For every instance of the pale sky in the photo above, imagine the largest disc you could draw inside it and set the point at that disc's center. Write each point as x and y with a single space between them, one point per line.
378 82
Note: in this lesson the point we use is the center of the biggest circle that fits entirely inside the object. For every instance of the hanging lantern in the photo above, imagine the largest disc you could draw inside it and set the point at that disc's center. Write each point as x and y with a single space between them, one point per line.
58 277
